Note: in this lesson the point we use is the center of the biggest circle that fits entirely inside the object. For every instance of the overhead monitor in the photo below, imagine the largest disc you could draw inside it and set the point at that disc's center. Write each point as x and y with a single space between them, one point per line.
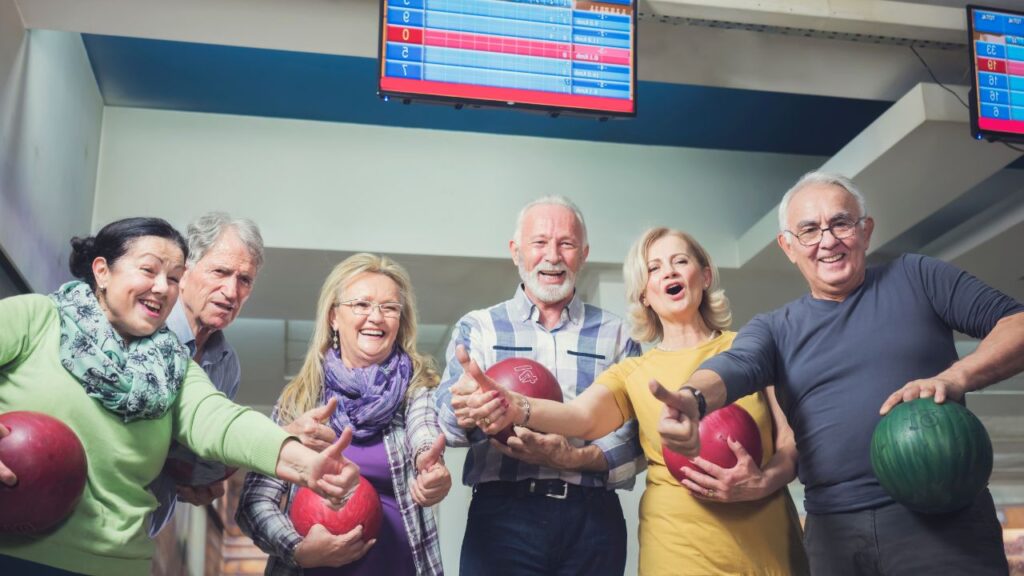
996 38
555 55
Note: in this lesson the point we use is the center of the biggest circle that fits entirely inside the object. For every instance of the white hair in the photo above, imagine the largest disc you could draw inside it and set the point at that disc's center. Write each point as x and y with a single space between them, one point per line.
549 201
205 231
824 179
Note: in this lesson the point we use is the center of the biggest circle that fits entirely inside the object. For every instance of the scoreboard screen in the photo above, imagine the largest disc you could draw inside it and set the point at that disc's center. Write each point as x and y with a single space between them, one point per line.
557 55
996 38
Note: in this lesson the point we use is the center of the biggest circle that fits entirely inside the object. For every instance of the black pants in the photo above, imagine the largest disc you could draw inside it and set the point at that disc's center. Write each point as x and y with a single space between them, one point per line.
10 566
894 541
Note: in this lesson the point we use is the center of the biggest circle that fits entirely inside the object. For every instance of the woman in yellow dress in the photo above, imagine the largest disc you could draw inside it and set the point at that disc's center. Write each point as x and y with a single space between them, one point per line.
739 520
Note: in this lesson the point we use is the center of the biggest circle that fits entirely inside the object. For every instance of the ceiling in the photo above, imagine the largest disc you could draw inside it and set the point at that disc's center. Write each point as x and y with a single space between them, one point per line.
823 82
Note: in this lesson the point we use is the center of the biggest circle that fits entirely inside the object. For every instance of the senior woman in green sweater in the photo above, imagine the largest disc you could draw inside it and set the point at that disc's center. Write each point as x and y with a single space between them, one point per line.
96 355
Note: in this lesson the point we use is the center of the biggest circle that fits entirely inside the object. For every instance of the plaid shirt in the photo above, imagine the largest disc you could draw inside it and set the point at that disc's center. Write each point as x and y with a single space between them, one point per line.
586 342
261 518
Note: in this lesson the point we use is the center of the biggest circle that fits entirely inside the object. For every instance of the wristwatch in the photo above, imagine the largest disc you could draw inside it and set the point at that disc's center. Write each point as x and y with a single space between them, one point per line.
702 403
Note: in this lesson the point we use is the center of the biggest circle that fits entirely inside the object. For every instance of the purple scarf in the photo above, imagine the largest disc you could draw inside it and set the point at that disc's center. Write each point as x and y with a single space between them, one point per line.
367 397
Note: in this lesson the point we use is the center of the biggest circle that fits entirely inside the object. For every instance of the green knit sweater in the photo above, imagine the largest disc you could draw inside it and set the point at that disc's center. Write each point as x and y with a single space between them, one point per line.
106 534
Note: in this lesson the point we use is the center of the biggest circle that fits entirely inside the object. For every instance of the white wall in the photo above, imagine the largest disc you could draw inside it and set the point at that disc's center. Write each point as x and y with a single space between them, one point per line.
50 119
332 186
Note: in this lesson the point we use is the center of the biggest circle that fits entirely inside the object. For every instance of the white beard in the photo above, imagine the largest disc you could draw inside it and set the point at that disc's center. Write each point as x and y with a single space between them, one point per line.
548 293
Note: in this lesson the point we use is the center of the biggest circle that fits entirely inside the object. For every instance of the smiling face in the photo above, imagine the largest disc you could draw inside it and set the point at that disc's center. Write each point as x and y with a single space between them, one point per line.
550 253
833 268
138 291
214 290
675 279
366 340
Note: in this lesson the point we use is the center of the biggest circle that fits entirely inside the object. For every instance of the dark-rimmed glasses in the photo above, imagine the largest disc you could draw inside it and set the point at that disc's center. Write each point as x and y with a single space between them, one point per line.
840 228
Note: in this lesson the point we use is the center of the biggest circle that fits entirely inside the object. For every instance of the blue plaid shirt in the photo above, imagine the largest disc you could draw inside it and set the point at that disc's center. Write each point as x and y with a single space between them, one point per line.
586 341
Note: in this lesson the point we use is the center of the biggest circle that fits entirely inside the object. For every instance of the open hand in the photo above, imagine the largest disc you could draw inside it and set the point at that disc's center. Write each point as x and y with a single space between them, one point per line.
938 388
321 548
742 482
547 450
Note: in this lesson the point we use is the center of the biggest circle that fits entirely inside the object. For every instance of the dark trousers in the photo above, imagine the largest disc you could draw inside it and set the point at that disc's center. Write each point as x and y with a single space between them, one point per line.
17 567
893 540
513 533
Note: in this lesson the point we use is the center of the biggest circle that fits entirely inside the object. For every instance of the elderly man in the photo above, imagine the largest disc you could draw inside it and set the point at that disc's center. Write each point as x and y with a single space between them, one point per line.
863 340
225 255
544 504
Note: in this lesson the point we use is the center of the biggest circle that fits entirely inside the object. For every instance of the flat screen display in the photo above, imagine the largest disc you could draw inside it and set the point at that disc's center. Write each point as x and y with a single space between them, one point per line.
563 55
997 67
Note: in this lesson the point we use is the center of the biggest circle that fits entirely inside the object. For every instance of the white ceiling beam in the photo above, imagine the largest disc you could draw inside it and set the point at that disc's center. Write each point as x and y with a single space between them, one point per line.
914 159
865 17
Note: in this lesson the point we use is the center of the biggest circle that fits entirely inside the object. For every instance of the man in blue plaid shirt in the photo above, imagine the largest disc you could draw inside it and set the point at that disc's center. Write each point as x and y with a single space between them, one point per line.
543 504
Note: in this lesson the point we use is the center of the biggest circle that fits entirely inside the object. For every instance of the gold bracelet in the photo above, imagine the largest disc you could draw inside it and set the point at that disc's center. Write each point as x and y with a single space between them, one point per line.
524 405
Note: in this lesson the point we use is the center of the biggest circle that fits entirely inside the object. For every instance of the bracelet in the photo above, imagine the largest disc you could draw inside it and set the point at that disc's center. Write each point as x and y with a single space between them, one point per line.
423 449
702 403
524 405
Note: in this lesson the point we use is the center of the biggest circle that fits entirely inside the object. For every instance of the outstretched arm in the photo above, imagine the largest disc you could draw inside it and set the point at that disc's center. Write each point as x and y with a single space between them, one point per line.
999 356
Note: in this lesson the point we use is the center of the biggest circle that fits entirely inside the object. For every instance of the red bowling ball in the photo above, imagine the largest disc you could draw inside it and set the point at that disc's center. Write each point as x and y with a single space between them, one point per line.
526 377
363 508
49 461
714 429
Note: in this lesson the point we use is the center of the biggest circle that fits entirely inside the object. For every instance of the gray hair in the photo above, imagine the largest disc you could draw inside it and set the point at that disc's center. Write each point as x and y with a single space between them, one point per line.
555 200
203 233
824 179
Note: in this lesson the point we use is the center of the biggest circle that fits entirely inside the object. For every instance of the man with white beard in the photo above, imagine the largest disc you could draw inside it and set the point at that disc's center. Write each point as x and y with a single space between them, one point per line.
544 504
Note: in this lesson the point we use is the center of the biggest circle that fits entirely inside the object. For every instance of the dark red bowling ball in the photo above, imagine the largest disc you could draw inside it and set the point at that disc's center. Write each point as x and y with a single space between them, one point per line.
49 461
362 508
526 377
714 429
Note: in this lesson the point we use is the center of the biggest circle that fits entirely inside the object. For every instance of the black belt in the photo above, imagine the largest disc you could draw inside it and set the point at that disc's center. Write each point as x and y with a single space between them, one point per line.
557 489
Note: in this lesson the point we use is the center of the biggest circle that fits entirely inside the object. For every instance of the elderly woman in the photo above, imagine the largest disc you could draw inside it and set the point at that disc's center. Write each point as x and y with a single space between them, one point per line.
95 354
362 359
721 521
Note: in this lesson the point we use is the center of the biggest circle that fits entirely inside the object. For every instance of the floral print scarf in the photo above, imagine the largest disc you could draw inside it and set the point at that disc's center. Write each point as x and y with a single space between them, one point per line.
136 380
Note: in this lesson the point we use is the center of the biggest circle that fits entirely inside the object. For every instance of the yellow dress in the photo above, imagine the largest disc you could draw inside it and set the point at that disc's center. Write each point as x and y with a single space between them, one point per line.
680 534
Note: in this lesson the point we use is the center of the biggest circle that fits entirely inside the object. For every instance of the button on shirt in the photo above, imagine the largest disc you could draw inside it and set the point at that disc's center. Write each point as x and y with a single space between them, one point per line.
220 362
586 341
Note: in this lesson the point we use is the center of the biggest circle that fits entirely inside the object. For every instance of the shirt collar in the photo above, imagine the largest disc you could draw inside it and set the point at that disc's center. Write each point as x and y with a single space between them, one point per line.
216 345
525 310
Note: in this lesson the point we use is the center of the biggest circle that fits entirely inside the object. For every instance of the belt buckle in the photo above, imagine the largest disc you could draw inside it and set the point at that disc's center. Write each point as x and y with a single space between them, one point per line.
563 495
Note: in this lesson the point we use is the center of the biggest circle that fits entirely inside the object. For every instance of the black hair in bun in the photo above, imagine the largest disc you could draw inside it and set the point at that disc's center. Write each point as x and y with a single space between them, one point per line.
112 241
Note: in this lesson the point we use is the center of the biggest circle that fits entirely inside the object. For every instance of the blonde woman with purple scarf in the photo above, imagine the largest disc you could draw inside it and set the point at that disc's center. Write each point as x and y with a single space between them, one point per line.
362 359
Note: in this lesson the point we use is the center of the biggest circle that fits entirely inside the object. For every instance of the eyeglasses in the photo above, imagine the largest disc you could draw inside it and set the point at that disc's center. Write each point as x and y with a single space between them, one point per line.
364 308
840 228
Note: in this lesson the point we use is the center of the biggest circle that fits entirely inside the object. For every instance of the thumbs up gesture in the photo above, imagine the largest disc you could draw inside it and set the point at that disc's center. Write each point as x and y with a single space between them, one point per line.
433 481
679 425
310 427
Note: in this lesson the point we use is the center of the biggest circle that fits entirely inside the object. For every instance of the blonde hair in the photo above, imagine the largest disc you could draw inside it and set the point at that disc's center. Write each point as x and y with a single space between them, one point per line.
305 391
646 326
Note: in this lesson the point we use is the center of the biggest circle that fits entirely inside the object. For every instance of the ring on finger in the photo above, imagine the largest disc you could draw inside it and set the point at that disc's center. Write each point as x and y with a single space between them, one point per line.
486 421
710 492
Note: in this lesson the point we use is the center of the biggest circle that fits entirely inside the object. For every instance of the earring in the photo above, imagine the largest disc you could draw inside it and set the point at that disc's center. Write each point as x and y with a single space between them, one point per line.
103 288
334 341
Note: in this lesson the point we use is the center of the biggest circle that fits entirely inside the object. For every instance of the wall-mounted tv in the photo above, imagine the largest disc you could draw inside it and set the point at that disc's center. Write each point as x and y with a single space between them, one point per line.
996 38
555 55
